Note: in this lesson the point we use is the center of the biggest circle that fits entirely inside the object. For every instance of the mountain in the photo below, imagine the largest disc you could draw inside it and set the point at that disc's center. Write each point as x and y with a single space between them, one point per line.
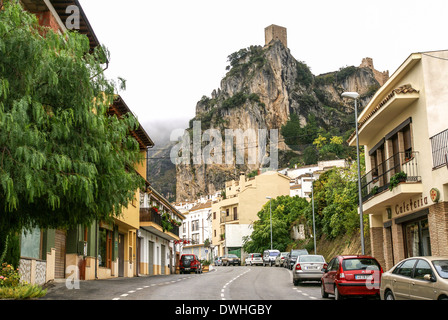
264 88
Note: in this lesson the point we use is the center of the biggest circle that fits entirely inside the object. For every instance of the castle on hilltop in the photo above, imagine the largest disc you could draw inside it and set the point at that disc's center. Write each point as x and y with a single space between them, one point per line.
274 32
381 77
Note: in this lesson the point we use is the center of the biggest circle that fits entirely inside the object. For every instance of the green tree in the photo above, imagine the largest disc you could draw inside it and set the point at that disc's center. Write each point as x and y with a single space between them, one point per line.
286 211
63 160
336 202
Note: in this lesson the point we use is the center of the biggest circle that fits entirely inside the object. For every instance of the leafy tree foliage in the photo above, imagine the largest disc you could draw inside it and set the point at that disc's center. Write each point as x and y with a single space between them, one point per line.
63 160
336 202
286 211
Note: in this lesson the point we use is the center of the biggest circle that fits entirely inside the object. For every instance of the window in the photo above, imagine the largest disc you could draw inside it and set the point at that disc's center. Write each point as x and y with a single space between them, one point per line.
421 269
105 248
214 215
441 268
417 238
235 213
335 265
405 269
360 264
439 146
195 225
30 244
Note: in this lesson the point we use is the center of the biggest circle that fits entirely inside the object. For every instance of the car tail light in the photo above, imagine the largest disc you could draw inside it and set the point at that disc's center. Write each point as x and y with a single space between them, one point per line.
340 274
298 266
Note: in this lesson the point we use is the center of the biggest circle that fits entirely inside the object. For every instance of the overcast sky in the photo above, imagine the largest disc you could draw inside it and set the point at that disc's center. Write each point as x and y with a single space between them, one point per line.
172 52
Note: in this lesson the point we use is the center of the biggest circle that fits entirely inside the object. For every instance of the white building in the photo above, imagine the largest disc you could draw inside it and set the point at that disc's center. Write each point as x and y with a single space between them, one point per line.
196 229
302 178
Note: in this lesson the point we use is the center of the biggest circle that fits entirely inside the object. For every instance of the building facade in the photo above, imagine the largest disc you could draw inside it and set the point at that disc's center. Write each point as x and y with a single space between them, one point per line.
235 212
160 225
405 135
119 247
197 230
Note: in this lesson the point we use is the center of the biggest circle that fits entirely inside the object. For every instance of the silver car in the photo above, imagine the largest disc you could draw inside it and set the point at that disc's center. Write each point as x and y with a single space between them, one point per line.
417 278
308 268
279 261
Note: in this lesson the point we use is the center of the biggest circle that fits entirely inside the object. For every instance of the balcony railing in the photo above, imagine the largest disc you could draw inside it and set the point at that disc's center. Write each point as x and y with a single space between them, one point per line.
439 146
378 179
148 215
230 218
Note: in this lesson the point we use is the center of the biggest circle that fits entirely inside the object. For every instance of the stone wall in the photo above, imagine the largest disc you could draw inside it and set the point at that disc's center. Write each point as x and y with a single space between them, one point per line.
33 271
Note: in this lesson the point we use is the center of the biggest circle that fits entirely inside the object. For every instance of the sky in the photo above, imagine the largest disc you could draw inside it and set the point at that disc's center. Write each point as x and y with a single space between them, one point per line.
173 52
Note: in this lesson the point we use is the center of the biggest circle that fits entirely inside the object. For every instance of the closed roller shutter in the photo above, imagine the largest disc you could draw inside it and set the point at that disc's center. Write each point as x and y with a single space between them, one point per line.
59 243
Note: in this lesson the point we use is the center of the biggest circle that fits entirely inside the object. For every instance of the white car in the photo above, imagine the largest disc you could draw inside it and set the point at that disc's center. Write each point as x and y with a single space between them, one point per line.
254 258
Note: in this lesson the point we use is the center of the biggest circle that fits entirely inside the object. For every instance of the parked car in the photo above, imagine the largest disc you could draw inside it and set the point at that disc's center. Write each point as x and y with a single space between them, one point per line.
292 257
190 262
351 276
254 258
279 260
417 278
218 261
269 257
229 259
308 267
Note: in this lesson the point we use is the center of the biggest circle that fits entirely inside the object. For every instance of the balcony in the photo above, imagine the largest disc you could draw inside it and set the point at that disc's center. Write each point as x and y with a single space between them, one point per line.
151 220
379 179
230 218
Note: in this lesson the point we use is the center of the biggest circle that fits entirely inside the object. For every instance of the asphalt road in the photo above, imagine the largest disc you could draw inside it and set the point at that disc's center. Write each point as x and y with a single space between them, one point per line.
255 283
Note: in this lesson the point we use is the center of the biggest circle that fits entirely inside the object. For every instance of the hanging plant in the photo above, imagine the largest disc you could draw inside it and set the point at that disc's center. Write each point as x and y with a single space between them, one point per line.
396 179
155 209
166 223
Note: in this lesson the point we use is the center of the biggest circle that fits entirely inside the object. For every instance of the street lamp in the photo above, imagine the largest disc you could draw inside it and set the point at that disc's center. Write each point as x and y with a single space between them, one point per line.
270 215
314 221
355 96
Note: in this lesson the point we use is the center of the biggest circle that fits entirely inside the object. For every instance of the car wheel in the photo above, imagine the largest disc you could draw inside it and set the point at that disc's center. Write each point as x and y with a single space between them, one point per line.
389 295
337 295
322 291
296 282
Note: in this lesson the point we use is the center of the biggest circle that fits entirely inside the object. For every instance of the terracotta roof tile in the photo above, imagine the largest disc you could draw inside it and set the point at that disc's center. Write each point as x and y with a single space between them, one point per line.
400 90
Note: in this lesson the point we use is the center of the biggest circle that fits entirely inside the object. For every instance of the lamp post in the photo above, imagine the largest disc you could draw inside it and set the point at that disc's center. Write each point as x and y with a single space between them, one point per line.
314 222
355 96
270 215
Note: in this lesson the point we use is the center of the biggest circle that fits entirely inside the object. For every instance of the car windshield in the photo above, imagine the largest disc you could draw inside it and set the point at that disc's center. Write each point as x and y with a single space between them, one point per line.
232 256
256 255
306 258
441 267
360 264
297 253
187 257
273 254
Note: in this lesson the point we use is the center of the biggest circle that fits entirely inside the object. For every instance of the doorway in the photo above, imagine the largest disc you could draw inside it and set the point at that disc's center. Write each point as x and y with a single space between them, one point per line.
150 258
417 239
121 255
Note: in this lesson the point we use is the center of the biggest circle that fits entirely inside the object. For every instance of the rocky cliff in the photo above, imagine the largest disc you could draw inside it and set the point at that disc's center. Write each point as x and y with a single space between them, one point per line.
263 87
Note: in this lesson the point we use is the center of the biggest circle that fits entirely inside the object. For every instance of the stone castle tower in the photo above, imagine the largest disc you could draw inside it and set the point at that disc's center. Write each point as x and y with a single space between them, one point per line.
381 77
274 32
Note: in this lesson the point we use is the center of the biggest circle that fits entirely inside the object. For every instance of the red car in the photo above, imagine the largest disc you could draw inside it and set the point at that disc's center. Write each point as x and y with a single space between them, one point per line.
351 276
188 263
